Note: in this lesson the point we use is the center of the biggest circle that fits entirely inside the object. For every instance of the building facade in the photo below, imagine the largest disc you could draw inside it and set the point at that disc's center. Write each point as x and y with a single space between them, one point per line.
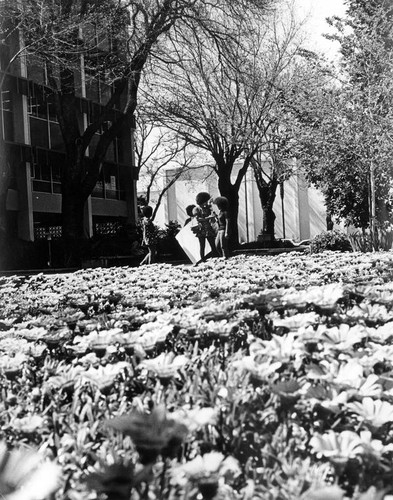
32 152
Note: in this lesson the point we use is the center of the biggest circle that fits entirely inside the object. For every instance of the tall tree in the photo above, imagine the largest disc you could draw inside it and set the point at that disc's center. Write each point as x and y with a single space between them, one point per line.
219 98
156 150
112 41
272 165
348 126
368 59
275 163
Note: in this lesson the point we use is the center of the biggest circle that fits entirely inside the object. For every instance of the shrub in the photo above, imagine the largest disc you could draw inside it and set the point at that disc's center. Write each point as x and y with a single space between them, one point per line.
385 237
171 229
331 240
167 243
361 240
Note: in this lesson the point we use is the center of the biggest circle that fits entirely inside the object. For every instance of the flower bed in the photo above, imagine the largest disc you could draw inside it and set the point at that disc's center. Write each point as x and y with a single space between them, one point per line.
256 377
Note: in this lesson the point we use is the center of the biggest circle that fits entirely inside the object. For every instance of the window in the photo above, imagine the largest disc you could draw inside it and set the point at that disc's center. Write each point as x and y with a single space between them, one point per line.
115 180
56 138
41 167
36 70
44 128
39 132
46 171
37 102
124 179
98 191
108 185
111 176
51 111
56 162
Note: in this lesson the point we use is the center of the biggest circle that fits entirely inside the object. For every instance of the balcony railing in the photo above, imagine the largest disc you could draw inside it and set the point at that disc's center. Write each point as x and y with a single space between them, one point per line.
107 228
53 187
43 233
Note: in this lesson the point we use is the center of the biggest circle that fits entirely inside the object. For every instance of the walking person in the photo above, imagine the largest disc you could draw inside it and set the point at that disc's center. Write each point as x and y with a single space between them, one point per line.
204 229
149 236
221 242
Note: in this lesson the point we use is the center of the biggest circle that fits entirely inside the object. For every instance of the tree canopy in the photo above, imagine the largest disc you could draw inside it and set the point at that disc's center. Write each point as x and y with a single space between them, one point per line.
346 124
223 99
108 44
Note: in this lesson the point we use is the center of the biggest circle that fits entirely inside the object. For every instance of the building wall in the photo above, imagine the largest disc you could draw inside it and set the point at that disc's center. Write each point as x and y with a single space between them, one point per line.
29 137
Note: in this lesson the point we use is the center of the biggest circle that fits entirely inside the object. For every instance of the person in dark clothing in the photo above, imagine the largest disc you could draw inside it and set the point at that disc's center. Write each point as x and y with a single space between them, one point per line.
149 236
189 212
223 226
204 229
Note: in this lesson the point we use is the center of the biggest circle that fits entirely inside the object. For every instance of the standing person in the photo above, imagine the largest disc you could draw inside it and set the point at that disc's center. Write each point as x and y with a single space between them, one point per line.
190 213
223 226
149 236
204 229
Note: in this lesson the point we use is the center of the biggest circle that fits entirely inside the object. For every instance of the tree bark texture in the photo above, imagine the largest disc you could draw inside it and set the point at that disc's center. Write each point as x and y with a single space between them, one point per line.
225 164
73 209
232 194
267 194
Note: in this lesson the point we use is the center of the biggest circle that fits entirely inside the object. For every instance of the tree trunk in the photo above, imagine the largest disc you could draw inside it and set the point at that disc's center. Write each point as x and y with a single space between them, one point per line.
267 195
231 193
268 220
329 222
372 208
73 208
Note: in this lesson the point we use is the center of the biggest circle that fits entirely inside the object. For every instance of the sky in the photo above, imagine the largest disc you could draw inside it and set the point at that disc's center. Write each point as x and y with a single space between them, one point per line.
317 12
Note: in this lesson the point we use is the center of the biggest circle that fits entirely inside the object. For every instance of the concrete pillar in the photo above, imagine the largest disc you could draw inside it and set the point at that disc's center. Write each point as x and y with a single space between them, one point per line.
246 219
88 218
24 183
171 196
25 203
303 208
249 206
132 201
